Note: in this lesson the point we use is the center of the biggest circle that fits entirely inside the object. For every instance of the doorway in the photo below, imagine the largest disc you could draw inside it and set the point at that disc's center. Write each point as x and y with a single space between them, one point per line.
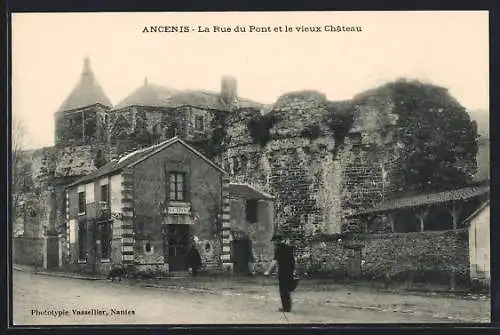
354 264
52 252
241 255
177 243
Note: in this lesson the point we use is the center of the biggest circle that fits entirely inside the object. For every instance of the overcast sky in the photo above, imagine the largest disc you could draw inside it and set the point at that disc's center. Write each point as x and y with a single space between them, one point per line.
446 48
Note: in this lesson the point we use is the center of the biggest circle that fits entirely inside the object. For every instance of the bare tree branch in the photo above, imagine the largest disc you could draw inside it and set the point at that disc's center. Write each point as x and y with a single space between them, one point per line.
18 165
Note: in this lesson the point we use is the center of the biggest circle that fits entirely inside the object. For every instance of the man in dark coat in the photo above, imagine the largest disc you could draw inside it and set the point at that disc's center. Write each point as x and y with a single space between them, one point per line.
284 257
194 260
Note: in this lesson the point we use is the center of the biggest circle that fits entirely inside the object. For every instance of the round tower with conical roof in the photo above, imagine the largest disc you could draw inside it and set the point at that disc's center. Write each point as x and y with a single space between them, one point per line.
81 142
82 117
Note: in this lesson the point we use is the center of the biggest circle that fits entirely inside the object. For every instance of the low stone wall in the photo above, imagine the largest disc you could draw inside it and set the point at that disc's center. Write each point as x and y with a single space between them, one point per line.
28 251
436 253
429 255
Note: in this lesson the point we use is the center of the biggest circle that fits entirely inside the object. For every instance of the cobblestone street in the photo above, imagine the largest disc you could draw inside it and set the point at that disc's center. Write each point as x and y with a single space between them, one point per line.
250 303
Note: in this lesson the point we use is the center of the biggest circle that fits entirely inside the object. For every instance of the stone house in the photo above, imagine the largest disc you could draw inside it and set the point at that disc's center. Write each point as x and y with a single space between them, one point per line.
145 209
479 245
252 227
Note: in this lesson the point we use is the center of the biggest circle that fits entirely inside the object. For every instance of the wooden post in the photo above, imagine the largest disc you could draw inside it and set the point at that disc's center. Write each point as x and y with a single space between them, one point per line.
455 212
421 217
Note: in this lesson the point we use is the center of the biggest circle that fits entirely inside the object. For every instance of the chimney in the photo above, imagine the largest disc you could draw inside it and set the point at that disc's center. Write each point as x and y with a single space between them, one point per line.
228 91
86 65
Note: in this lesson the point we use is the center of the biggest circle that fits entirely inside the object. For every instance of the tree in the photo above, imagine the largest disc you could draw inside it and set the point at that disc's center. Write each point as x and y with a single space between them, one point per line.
19 166
437 139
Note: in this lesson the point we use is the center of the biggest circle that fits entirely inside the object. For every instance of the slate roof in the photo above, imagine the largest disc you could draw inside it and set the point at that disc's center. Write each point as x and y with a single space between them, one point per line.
245 191
148 95
427 199
201 99
161 96
135 157
87 91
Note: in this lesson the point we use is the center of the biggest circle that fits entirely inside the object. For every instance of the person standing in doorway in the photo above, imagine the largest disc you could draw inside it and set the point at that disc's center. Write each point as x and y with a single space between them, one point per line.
284 258
194 260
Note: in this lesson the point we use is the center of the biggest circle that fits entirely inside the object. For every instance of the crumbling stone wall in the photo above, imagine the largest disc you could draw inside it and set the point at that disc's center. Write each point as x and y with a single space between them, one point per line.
290 153
35 209
370 154
74 161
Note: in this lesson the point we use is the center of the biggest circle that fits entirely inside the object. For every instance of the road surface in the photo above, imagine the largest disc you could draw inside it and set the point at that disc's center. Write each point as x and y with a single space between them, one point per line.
47 300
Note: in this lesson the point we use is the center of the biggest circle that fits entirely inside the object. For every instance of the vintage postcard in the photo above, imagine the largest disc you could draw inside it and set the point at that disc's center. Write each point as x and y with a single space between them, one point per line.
250 168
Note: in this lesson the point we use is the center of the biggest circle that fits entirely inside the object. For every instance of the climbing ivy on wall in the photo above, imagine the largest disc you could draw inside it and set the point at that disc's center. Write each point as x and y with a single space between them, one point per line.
99 159
141 135
90 127
120 128
339 119
438 138
312 131
259 128
219 133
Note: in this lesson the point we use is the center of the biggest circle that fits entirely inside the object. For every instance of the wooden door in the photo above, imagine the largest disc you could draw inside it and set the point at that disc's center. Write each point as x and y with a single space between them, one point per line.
177 238
241 255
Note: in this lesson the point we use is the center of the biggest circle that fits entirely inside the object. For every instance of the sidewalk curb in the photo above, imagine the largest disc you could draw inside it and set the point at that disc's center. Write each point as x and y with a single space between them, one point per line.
172 288
53 274
64 275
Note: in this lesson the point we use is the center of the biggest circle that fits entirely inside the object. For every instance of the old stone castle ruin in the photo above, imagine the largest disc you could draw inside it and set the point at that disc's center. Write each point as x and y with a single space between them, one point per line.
322 160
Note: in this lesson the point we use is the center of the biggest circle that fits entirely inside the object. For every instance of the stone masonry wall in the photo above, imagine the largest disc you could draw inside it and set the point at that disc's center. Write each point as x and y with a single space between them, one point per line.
432 255
369 155
296 164
28 251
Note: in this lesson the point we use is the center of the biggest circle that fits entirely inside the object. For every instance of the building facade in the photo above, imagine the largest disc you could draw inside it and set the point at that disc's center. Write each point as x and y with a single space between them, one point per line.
145 209
479 245
252 227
